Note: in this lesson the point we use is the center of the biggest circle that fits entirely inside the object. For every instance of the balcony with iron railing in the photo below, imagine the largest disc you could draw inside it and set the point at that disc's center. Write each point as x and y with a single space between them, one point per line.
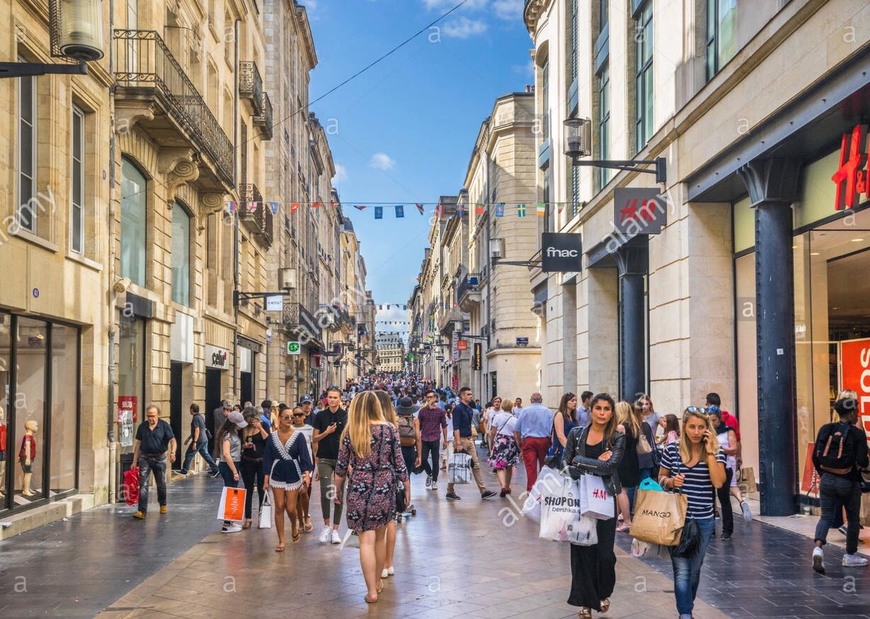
264 120
251 85
256 215
299 322
468 292
147 73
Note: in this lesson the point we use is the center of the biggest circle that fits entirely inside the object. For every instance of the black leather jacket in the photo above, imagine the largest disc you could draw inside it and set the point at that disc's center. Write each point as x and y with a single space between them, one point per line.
578 464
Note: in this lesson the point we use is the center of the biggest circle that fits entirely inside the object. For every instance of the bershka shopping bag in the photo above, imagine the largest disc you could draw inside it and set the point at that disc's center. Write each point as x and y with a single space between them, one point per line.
264 520
594 500
232 505
549 482
560 516
659 517
459 470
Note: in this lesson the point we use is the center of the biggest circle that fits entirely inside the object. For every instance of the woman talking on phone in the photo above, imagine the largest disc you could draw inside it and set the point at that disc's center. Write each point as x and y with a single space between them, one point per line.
694 466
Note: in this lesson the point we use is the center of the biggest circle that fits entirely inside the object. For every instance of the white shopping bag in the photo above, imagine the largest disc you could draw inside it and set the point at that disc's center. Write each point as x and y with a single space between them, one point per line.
265 516
549 482
459 470
561 520
594 500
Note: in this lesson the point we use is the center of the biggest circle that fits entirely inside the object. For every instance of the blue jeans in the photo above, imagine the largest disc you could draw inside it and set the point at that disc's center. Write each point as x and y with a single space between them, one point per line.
190 454
834 492
687 572
148 465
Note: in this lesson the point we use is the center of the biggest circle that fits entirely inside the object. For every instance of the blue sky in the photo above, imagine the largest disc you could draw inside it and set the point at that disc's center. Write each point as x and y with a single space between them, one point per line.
402 132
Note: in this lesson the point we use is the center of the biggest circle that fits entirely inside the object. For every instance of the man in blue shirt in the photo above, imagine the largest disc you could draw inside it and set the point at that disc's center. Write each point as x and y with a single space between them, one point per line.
533 430
154 438
462 442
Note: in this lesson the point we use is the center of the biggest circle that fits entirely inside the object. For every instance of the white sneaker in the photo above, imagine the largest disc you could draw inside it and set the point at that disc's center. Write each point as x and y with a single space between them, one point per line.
324 535
747 513
391 570
854 561
235 528
428 481
819 560
336 538
434 486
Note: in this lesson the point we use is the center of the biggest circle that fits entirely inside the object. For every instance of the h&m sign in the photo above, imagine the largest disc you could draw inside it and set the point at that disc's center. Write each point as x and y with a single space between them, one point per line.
852 174
639 211
561 252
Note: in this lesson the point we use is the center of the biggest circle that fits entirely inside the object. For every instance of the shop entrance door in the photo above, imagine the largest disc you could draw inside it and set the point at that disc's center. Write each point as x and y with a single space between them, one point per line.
212 401
177 408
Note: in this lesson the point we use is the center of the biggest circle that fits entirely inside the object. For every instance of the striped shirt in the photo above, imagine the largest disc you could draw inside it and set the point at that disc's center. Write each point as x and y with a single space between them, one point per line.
697 486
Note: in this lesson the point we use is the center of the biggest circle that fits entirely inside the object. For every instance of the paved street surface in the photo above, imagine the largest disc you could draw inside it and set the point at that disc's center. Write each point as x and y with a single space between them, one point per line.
469 558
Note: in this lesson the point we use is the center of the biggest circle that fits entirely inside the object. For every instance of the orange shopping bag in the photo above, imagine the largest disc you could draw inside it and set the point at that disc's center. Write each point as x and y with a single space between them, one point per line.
232 505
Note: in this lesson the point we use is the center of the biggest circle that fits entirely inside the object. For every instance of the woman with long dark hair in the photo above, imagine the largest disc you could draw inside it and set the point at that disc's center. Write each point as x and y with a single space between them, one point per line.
230 451
596 449
695 466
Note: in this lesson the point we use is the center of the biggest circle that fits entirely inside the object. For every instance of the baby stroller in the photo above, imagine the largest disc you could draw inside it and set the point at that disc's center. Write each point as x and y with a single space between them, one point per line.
402 510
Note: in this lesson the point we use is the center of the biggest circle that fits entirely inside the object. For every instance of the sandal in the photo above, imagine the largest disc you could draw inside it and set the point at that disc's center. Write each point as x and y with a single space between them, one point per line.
307 526
584 613
247 524
605 605
279 548
295 537
380 585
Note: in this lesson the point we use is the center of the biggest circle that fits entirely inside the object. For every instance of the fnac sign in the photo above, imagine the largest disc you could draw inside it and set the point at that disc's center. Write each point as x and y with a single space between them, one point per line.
851 175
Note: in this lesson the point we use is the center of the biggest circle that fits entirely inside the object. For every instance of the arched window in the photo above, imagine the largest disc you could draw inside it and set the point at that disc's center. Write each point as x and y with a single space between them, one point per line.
133 218
180 254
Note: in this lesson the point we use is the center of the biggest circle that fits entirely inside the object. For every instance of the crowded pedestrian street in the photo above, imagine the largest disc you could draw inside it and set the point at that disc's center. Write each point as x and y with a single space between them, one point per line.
468 558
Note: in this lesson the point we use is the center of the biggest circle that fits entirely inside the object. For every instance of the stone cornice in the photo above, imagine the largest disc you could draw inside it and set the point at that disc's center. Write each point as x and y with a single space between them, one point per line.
532 12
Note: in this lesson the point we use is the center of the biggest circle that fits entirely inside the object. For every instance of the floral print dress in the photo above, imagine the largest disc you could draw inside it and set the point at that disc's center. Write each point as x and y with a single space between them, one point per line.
374 480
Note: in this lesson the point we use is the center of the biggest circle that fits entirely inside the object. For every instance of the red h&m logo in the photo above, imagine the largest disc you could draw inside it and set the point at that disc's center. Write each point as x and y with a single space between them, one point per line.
599 493
851 176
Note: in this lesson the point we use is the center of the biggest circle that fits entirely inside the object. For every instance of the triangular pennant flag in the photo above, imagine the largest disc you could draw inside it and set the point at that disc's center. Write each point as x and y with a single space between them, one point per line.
359 207
316 204
540 209
420 208
232 206
400 211
478 210
274 207
521 210
460 210
379 212
294 207
333 203
499 210
252 207
560 206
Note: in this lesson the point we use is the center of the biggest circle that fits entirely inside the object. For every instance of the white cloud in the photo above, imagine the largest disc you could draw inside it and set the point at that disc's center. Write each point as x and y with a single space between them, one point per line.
463 28
382 161
509 10
340 173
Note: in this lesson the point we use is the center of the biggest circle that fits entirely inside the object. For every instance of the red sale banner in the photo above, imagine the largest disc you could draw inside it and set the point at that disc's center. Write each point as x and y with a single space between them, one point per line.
127 407
855 365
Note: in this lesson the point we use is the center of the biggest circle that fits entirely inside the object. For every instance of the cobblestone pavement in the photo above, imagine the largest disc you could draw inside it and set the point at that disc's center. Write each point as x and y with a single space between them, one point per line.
469 558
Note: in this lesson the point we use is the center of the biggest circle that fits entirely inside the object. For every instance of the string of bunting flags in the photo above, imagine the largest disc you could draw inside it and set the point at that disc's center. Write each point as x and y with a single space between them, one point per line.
501 209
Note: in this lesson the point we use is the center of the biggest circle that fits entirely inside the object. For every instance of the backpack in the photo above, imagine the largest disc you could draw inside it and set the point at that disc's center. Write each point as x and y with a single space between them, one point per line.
407 432
834 452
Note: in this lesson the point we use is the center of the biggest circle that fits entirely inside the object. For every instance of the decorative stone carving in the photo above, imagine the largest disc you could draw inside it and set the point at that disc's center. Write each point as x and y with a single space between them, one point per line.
772 180
179 165
127 117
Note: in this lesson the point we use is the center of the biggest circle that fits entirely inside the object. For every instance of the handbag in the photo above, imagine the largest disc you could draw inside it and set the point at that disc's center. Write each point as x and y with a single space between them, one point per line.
690 541
265 515
595 502
643 446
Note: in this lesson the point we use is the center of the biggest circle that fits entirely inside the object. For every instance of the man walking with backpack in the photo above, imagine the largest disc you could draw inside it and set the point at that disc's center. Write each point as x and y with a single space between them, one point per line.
197 442
409 433
839 454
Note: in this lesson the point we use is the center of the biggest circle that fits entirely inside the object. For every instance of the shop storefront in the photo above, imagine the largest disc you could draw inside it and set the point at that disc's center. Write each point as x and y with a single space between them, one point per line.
39 410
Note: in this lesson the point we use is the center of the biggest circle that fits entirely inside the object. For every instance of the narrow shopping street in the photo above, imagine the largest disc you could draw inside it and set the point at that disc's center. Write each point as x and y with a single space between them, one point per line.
467 558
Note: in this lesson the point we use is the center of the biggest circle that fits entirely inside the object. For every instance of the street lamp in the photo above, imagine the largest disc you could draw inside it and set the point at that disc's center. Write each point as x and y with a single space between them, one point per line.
578 143
76 28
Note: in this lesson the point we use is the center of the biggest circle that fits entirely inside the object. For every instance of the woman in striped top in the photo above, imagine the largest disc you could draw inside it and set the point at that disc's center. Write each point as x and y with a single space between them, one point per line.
695 466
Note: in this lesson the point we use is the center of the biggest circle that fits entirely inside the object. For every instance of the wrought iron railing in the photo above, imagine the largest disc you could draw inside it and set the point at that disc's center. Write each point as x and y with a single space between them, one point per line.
251 85
264 120
144 63
256 214
464 288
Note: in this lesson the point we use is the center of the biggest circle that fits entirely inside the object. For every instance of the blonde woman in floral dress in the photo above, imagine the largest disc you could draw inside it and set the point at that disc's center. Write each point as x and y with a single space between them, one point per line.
505 452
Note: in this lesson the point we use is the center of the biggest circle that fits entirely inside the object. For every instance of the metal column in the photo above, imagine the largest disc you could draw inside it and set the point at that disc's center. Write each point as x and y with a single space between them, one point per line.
632 263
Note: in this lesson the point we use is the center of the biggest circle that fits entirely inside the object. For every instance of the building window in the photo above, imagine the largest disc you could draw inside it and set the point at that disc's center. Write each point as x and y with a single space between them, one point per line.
545 99
603 14
133 218
77 182
181 255
27 152
721 34
643 37
603 123
572 41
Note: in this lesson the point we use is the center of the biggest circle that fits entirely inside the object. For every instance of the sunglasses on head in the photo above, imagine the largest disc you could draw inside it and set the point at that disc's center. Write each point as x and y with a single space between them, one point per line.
697 410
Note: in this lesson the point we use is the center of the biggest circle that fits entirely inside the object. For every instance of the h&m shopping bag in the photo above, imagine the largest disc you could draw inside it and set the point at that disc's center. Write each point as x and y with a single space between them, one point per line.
459 470
594 500
659 517
232 505
130 487
265 516
561 520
